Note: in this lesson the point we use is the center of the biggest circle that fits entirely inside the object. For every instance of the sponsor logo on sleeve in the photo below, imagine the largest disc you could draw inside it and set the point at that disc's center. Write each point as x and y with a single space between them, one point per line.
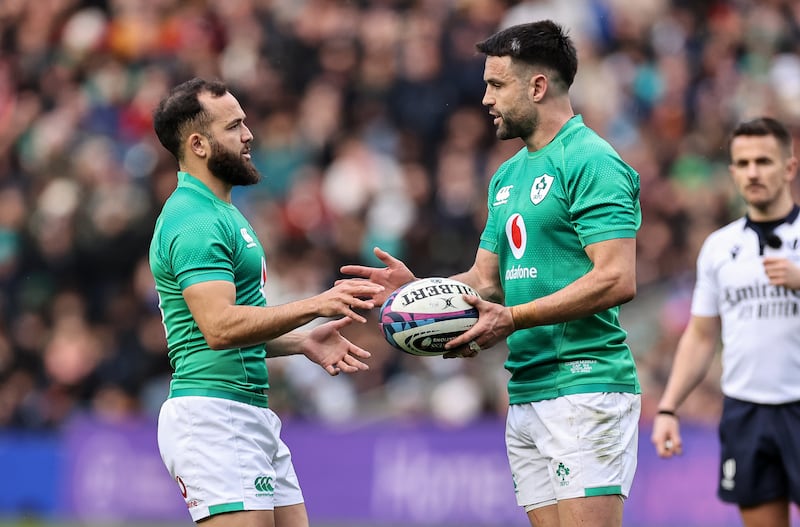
501 198
248 238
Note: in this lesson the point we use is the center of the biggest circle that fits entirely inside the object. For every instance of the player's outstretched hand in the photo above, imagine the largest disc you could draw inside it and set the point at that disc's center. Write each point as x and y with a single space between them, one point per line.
391 277
494 324
326 346
345 297
666 436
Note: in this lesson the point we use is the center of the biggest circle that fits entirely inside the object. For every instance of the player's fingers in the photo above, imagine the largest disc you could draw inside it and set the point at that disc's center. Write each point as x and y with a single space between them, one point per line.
471 299
332 370
348 312
339 323
360 353
462 340
340 281
346 368
357 303
352 364
474 348
359 286
471 350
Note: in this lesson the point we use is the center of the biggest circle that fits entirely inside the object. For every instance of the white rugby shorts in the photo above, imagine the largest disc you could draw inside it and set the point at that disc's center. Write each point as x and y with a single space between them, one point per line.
226 456
573 446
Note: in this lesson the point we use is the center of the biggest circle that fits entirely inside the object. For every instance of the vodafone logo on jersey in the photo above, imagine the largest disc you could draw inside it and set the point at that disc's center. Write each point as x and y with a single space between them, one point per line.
516 234
263 287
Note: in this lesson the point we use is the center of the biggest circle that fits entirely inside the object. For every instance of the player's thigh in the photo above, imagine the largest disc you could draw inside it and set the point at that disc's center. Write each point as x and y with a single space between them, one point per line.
288 516
772 514
546 516
594 511
240 519
291 516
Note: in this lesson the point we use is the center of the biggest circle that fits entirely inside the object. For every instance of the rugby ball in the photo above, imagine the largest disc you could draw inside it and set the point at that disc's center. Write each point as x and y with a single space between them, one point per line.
422 316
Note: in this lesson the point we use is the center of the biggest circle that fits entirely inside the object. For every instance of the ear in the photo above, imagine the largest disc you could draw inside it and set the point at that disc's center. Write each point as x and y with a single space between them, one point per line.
791 169
198 145
537 87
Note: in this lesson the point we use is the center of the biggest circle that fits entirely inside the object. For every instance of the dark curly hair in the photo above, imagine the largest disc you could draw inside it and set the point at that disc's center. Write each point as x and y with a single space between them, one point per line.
181 112
542 43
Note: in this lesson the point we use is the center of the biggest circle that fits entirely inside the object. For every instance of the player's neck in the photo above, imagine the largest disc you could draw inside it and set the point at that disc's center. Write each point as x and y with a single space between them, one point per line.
777 210
550 123
219 188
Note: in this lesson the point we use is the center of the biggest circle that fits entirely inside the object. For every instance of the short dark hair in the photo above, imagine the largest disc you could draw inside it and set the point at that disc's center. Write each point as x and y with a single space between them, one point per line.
542 43
181 111
764 126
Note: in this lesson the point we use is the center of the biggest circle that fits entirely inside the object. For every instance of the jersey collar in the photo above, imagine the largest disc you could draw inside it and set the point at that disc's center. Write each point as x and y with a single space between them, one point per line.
766 229
187 180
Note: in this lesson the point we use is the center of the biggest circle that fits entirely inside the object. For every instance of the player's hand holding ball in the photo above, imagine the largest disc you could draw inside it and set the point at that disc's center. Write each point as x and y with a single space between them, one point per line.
422 316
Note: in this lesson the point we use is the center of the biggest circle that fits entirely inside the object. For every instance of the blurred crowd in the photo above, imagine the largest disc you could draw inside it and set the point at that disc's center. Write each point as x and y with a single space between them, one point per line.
369 130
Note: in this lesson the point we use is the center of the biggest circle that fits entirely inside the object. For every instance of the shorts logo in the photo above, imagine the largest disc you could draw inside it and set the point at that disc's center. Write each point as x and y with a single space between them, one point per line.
540 188
182 486
561 473
728 473
517 235
263 484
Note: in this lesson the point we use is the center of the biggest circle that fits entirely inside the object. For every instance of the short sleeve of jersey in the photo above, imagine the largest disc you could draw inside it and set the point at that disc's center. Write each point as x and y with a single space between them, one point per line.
199 252
604 201
488 239
705 298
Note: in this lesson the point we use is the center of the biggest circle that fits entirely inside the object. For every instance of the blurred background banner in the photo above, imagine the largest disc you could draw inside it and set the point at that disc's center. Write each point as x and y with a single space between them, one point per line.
113 473
410 474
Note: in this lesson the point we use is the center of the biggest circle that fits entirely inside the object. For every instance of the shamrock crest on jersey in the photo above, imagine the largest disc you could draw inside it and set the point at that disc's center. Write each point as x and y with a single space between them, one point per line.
540 188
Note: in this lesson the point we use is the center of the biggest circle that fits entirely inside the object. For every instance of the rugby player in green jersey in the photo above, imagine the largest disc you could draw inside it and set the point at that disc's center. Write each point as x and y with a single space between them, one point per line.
218 438
555 261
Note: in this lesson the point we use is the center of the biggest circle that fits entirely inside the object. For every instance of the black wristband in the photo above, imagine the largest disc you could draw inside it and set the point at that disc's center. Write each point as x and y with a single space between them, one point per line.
667 412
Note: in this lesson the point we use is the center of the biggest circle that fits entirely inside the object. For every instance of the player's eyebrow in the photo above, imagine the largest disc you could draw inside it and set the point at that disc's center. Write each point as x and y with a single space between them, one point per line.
234 121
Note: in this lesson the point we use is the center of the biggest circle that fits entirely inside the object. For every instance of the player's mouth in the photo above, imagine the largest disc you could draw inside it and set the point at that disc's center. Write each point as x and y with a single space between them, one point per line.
497 118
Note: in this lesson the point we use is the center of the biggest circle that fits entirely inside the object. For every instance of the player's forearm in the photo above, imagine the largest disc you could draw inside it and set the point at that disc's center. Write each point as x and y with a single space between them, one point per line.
249 325
590 294
487 289
692 361
287 344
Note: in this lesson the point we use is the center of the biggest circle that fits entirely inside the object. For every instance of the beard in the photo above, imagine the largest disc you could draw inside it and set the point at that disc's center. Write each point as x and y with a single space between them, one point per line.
231 167
518 124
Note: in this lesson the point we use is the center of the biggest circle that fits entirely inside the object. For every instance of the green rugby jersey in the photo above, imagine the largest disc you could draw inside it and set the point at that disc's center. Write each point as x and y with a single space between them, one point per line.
544 208
198 238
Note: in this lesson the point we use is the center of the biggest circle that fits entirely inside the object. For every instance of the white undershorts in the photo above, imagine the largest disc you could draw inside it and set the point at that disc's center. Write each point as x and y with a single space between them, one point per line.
226 456
574 446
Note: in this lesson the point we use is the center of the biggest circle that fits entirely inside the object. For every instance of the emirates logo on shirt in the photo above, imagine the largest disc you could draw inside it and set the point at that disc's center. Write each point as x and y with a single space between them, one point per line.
516 234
